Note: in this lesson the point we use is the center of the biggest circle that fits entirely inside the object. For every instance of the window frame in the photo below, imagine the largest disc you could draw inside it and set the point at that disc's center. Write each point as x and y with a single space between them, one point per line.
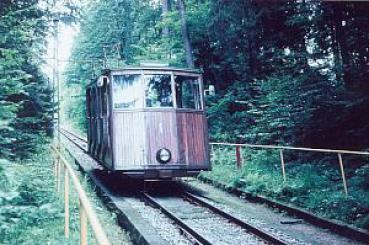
171 88
172 73
140 82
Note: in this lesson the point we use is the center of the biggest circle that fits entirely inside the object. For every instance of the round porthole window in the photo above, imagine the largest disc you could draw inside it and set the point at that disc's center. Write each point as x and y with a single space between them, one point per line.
163 155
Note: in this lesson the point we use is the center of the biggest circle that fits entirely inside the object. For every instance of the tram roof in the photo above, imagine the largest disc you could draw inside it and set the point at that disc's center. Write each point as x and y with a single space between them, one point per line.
149 68
156 68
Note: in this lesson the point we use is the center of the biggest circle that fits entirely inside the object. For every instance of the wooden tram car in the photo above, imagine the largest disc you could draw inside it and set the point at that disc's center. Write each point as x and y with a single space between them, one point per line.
148 122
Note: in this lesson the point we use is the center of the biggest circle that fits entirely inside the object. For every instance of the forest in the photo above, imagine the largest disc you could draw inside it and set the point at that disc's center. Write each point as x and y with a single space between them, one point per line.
292 73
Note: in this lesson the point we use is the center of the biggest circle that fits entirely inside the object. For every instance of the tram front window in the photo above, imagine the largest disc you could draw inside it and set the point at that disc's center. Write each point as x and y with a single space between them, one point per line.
158 91
188 92
127 91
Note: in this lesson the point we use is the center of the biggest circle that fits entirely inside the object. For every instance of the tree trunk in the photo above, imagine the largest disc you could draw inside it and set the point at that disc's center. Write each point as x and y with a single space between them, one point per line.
165 10
185 36
342 43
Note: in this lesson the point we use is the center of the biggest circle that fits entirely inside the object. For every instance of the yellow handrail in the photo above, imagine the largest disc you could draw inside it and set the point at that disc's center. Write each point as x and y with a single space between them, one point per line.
86 211
294 148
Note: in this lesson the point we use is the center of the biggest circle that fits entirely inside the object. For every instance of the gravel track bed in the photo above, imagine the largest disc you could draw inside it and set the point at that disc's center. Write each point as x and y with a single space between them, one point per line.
213 227
294 231
163 225
257 223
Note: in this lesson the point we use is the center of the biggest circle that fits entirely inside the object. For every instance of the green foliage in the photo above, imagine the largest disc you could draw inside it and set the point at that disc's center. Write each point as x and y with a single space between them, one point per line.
25 108
28 204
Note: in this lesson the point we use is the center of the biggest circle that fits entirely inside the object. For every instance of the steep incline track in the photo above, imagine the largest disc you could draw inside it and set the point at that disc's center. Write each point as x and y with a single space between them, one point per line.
193 214
206 223
219 226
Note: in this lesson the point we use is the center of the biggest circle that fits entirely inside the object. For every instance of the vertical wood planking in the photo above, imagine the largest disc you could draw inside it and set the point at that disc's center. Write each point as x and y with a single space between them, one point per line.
138 135
129 139
161 133
192 142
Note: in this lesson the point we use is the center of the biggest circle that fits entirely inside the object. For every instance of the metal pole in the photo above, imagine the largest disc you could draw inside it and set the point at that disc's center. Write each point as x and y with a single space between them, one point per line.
57 75
282 164
238 157
59 175
66 203
343 174
83 220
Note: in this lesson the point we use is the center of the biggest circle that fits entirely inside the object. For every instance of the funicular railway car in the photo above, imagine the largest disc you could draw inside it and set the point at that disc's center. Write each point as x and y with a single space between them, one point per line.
148 122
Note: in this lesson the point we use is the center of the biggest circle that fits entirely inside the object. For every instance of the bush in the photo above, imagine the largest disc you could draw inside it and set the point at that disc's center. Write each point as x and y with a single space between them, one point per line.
29 209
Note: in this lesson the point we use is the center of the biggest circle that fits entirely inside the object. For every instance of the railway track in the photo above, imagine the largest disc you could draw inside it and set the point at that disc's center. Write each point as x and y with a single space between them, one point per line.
196 217
232 227
208 224
79 141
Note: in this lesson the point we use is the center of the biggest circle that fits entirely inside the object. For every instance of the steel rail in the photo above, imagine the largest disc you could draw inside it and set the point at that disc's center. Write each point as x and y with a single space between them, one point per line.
178 221
74 135
336 227
67 135
293 148
250 228
257 231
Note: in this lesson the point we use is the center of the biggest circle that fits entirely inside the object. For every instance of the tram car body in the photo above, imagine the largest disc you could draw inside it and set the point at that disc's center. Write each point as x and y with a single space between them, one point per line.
148 122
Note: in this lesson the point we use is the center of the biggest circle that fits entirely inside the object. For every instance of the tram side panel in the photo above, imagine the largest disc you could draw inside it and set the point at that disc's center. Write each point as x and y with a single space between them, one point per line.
193 140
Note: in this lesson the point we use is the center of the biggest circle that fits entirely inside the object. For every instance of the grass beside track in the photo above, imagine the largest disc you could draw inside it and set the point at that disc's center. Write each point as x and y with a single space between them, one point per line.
31 212
314 185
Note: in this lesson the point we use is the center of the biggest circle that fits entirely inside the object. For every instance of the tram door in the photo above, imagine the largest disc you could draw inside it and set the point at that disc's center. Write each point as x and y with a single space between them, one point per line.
104 120
89 118
93 116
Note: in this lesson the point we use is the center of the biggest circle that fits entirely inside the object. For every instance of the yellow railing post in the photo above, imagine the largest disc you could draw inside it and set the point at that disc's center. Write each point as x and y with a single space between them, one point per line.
282 164
83 225
54 168
87 214
343 174
66 203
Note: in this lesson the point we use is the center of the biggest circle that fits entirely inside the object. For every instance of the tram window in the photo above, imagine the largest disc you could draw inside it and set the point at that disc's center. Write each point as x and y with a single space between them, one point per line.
187 92
158 91
127 92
